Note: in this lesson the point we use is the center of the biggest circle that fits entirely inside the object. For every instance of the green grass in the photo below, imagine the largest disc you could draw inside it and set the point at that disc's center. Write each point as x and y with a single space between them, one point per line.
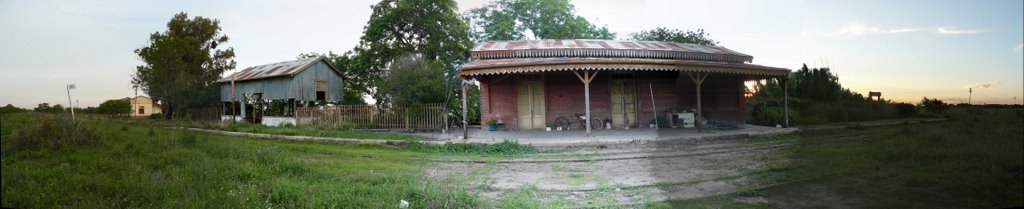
344 131
974 160
175 169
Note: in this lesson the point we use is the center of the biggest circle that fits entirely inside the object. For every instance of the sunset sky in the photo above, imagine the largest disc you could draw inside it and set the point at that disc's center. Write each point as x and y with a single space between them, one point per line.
905 49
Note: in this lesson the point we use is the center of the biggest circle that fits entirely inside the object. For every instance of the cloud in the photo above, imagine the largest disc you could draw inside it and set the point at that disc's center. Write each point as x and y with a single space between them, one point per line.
856 29
955 31
984 85
1019 48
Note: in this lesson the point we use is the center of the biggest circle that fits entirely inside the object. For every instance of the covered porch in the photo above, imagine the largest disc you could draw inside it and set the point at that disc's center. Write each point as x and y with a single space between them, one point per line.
529 85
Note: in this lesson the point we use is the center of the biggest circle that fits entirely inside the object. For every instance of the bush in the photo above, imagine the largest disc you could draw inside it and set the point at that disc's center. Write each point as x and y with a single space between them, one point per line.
51 131
906 110
933 106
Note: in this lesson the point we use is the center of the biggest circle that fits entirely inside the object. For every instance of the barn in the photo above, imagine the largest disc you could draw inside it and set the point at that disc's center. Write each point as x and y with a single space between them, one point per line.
531 84
268 94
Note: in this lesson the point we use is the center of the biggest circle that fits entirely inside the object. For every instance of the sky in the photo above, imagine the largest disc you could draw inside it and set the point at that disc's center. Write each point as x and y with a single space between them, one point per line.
905 49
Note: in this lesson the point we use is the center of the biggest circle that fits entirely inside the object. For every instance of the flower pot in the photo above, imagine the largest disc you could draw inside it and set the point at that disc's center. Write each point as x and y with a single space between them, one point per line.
492 127
559 128
547 128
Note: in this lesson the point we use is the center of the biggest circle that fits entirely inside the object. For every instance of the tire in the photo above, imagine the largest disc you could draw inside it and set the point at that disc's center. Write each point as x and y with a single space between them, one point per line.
562 122
596 124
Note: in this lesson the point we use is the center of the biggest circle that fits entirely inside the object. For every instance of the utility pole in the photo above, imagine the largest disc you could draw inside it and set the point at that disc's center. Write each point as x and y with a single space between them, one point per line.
69 87
970 93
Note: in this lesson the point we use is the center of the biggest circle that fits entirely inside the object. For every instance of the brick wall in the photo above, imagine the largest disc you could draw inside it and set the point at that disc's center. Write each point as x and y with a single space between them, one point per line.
722 96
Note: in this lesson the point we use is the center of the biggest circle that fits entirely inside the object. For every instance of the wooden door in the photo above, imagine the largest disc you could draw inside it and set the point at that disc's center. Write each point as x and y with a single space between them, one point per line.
623 103
530 97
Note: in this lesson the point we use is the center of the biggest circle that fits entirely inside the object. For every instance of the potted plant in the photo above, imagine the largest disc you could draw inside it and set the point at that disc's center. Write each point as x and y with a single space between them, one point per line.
492 125
549 127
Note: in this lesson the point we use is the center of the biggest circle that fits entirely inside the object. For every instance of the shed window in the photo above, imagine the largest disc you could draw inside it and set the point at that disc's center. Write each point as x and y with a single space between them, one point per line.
321 90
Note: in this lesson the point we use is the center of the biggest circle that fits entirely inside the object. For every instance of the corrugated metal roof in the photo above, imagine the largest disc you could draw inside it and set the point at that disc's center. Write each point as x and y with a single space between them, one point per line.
528 65
605 48
285 68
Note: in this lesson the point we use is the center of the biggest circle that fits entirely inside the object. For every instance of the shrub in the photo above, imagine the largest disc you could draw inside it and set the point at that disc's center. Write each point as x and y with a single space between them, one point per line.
906 110
933 106
51 131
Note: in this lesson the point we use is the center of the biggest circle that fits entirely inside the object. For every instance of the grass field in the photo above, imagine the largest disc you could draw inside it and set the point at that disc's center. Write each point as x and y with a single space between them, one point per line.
129 167
974 160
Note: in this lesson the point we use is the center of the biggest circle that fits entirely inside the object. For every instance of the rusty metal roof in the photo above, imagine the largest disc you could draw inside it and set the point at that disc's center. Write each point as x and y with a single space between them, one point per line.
510 57
530 65
605 48
286 68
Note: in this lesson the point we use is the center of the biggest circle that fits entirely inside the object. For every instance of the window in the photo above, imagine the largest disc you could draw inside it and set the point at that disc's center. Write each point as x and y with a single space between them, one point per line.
321 90
142 110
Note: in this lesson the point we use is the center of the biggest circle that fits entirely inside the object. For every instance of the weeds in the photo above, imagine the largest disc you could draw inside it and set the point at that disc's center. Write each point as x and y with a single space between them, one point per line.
50 131
505 147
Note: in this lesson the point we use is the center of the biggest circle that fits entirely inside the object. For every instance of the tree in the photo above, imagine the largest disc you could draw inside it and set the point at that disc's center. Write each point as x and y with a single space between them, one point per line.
819 84
10 109
115 107
698 37
182 63
546 19
431 29
933 106
413 80
355 79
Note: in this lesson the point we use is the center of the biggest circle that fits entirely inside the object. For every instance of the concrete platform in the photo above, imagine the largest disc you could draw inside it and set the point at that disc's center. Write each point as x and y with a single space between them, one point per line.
604 138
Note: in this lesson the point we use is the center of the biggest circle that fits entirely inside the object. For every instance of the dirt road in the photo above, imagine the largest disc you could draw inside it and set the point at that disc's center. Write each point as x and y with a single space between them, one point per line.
616 177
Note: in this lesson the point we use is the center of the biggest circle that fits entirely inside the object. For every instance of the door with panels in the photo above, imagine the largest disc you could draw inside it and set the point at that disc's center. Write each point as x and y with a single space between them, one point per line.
623 95
530 101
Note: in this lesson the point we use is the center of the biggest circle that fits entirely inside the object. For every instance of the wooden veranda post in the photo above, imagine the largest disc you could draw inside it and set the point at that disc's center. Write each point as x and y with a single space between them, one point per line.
586 78
698 80
465 112
785 100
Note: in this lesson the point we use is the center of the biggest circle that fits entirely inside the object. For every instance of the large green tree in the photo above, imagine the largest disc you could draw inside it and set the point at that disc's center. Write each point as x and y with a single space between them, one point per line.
412 80
546 19
355 78
115 107
431 29
182 63
675 35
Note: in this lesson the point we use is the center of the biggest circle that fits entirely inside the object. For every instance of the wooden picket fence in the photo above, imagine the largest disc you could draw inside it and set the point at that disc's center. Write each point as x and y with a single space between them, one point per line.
422 117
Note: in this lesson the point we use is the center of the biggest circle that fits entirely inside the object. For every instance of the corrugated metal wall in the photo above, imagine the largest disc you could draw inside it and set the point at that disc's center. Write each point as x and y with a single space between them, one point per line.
300 87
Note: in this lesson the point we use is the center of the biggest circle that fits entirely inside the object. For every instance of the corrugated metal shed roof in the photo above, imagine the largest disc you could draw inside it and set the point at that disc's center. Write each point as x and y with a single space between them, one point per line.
605 48
286 68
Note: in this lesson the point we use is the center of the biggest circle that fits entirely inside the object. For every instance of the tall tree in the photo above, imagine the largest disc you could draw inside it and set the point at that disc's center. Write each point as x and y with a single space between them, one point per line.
546 19
431 29
412 80
675 35
355 78
182 63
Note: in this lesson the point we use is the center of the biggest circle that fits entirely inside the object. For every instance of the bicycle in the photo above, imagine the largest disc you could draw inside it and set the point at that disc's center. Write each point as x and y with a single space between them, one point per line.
595 123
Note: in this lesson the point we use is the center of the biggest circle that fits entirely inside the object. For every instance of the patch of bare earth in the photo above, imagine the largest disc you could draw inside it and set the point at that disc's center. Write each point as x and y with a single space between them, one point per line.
616 177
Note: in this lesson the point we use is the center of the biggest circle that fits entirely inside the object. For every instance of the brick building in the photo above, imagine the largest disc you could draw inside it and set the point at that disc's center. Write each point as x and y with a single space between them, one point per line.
529 84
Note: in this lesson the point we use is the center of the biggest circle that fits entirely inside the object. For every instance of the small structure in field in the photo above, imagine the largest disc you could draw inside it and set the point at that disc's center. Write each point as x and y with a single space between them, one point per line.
268 94
534 84
142 106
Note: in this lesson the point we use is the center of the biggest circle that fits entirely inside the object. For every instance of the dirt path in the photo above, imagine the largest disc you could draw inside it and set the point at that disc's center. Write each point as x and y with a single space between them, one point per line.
595 178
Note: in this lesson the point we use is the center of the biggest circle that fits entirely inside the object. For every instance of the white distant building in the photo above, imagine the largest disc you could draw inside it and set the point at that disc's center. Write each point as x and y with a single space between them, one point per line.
143 106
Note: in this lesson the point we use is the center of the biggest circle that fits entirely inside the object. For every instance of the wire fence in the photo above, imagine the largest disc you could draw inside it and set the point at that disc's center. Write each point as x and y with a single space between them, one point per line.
420 117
